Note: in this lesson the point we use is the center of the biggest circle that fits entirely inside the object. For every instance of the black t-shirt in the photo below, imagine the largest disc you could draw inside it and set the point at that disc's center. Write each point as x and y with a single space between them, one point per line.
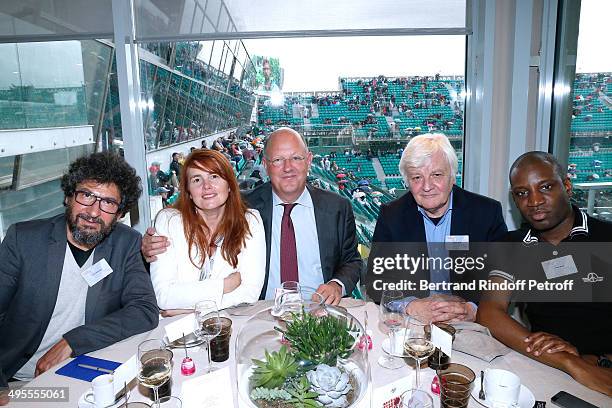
586 325
80 256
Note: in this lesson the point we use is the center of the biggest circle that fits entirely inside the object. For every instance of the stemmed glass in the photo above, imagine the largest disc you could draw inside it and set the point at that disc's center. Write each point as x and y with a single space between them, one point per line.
392 316
417 342
154 365
208 324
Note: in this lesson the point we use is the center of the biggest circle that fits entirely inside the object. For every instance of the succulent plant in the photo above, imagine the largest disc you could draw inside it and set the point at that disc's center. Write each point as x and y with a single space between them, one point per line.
270 394
301 396
319 340
331 384
274 370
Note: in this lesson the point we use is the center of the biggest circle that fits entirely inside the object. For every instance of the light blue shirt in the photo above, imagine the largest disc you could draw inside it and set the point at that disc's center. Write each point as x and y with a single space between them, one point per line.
306 241
436 234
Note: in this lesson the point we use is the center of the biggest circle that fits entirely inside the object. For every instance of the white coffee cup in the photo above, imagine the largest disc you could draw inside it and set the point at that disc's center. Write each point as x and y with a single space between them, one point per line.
502 388
101 393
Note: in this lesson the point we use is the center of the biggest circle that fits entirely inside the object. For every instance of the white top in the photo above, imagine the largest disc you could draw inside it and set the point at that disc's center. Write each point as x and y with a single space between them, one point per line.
176 280
68 313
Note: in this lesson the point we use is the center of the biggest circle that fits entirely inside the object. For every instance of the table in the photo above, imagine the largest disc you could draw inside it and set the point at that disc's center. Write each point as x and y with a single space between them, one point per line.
542 380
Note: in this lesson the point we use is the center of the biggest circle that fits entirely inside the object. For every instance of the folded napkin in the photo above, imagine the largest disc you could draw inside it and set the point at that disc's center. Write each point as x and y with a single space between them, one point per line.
249 309
476 340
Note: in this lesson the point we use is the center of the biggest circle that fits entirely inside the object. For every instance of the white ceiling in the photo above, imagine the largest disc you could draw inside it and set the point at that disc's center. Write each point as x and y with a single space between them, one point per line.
184 19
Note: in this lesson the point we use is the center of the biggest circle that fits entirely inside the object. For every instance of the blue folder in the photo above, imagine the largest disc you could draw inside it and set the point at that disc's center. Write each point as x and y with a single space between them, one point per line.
73 370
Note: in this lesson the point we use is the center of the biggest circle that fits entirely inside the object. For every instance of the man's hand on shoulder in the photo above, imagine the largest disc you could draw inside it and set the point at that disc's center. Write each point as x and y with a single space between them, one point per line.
56 354
153 245
540 342
331 292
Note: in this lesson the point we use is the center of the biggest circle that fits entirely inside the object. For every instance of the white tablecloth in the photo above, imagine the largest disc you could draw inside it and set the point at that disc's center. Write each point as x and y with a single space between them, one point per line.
542 380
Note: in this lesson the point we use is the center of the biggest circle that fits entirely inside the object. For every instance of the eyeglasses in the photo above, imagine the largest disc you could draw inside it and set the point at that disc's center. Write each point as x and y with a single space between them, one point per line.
107 205
279 161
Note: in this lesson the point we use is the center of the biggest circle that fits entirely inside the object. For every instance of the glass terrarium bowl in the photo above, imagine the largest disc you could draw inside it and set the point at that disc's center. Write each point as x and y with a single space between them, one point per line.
261 334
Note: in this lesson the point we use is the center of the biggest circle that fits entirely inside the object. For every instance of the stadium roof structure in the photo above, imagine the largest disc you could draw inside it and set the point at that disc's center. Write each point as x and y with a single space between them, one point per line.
181 20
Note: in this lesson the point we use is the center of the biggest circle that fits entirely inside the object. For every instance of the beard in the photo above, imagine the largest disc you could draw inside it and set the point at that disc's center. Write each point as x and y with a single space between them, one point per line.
86 236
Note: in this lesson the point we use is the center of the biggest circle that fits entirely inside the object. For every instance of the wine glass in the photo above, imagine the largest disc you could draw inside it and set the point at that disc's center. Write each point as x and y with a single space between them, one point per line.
416 399
417 341
392 316
154 365
208 324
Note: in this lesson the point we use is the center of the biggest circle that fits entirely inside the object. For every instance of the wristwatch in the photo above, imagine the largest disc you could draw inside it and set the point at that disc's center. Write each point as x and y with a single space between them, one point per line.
603 361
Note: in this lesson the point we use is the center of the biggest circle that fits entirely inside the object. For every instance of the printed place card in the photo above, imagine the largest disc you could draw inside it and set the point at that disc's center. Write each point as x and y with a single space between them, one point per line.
203 391
442 340
389 395
125 373
181 327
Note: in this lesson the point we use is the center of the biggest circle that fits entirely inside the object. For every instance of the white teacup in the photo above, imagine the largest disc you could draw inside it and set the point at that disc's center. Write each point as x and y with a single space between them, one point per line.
101 393
502 388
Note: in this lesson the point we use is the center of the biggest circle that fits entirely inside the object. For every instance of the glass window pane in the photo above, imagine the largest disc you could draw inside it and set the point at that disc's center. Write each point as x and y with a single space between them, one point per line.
590 153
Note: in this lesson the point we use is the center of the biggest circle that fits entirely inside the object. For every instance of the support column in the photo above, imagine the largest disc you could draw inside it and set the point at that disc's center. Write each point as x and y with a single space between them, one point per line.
128 77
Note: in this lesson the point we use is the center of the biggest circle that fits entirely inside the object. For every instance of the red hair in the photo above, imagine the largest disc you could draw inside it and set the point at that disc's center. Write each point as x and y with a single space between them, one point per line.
234 227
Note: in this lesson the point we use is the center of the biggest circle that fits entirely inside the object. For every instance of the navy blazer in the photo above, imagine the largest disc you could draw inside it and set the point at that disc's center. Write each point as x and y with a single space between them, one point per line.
31 262
400 222
478 216
335 230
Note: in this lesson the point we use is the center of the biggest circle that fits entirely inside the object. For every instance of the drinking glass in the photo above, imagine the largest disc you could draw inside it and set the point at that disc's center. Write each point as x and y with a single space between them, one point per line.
392 316
417 342
154 365
208 324
171 402
416 399
289 300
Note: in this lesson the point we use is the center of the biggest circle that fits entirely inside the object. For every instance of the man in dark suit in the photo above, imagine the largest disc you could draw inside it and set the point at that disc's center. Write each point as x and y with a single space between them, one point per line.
76 282
324 223
433 215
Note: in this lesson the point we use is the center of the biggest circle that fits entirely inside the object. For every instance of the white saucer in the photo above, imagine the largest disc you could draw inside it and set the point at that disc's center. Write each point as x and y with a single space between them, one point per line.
526 398
84 404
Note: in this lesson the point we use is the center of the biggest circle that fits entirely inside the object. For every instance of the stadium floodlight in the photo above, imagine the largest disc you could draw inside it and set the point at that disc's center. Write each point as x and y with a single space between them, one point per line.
276 98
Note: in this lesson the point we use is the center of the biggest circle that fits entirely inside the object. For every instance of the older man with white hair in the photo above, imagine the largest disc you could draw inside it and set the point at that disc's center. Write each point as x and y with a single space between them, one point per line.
439 214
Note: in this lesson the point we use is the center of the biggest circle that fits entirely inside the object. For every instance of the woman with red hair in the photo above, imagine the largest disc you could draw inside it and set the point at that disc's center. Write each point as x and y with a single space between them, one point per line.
217 246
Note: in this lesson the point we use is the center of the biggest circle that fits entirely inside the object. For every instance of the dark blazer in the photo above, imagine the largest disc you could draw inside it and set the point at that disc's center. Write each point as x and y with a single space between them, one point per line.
31 261
478 216
335 230
400 221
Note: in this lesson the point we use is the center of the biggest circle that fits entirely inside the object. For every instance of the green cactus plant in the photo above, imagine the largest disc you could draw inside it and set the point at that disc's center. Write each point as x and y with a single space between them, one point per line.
319 340
301 396
274 370
270 394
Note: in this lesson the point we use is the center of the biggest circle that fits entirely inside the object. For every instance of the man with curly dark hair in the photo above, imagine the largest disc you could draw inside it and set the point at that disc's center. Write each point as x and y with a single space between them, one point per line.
75 282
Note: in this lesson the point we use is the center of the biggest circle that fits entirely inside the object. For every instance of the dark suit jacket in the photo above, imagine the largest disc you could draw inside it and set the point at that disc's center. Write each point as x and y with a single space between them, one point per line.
400 221
478 216
335 230
31 261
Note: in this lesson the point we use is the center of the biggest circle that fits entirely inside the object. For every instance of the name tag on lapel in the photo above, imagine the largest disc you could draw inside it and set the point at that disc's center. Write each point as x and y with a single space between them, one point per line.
558 267
96 272
457 242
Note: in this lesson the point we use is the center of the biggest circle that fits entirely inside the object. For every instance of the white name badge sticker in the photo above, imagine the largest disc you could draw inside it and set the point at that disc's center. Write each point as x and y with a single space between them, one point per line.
96 272
558 267
181 327
457 242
